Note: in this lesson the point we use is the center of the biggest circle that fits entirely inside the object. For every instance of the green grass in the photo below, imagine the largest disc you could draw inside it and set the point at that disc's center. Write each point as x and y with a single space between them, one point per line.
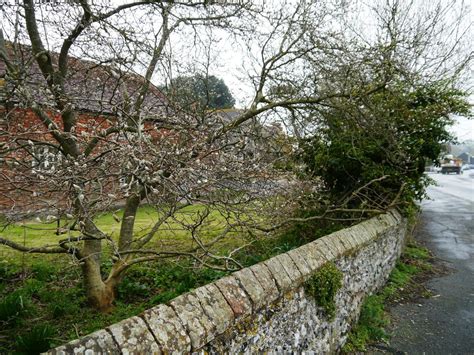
371 325
42 300
171 236
373 318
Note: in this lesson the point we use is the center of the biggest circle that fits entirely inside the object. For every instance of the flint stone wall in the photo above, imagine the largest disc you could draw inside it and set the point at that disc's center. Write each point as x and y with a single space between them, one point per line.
263 308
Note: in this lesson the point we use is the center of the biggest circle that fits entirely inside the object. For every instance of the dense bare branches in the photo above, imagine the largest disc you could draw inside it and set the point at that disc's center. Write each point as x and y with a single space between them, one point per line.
86 130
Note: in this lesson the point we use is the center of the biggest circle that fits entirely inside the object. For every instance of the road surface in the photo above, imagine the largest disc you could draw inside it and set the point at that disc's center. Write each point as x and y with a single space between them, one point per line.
443 324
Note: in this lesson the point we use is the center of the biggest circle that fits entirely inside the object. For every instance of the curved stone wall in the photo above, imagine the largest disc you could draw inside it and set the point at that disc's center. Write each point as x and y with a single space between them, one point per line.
264 308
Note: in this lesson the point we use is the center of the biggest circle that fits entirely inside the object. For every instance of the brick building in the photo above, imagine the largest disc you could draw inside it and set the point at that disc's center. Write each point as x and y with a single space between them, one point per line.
102 96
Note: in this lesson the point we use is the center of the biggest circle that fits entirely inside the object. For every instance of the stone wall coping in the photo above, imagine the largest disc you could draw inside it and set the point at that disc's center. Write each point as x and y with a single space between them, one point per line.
193 319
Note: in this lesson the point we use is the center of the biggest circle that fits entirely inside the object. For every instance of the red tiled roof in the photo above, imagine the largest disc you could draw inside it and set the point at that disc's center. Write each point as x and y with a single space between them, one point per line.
92 87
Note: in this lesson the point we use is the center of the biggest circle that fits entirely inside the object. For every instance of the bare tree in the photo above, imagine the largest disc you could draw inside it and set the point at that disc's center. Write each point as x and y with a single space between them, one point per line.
81 136
84 135
132 148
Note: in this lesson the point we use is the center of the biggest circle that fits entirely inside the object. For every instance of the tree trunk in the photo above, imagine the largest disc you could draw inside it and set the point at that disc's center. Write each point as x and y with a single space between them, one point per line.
128 220
100 294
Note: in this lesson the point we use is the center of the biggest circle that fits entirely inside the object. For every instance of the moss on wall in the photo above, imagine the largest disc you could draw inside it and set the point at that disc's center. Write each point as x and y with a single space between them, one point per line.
323 286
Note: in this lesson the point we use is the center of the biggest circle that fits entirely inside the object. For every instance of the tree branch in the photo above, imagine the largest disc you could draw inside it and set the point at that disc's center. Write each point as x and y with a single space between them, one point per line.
39 250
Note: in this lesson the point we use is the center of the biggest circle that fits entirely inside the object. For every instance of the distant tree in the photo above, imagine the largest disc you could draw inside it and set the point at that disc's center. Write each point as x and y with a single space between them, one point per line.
200 92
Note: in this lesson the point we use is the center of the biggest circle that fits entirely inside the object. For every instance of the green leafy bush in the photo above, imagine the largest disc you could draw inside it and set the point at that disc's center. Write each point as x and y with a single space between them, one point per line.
295 235
33 287
62 303
164 281
371 152
131 288
43 271
7 270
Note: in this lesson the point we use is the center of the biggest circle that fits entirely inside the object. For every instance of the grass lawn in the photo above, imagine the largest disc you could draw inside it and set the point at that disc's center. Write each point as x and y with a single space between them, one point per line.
171 236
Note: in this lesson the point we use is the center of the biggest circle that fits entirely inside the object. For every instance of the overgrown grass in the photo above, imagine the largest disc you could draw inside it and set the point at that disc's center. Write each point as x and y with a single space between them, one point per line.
373 320
371 325
42 300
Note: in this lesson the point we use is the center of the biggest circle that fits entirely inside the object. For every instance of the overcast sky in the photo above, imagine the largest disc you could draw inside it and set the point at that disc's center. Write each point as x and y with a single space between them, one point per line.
463 129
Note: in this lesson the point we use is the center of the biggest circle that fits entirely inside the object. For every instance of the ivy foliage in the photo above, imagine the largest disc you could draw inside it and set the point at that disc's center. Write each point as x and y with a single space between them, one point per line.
372 152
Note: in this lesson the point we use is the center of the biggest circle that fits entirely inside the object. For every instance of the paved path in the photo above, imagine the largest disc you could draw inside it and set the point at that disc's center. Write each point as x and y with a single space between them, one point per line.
443 324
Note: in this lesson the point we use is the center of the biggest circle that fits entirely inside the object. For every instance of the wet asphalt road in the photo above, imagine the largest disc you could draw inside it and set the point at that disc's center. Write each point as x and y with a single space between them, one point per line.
443 324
